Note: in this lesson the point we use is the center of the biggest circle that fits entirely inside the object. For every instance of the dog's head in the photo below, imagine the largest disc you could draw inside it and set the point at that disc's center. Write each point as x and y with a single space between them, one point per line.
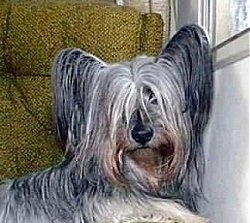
138 123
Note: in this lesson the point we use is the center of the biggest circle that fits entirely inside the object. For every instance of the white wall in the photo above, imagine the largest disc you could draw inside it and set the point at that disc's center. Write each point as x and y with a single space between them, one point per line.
226 183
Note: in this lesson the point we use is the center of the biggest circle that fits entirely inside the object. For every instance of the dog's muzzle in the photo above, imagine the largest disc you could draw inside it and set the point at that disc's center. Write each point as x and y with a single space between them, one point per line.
142 133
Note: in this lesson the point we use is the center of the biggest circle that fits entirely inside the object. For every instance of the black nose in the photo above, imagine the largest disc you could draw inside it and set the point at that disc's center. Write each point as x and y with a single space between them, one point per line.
142 133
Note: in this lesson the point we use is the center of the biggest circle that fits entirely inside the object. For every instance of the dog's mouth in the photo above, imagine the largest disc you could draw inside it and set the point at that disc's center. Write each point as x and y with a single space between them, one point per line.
156 163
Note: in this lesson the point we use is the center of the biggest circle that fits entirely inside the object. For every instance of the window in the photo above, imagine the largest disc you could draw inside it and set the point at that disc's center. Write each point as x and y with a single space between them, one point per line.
222 18
229 17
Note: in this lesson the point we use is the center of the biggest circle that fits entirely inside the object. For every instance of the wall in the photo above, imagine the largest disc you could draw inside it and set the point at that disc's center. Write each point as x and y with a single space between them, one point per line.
227 147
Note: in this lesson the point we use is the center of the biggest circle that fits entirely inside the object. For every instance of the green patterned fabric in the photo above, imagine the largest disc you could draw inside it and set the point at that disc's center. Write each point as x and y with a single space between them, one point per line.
30 35
27 140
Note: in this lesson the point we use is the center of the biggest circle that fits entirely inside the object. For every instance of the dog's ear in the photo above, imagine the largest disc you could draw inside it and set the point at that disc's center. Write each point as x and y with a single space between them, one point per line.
189 54
188 58
71 72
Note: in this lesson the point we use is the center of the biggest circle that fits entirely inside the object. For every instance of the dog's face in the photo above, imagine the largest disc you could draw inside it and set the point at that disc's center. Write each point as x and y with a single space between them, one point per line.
151 148
137 122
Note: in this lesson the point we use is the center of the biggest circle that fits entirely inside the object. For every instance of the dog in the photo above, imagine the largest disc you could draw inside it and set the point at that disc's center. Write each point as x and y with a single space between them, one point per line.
133 133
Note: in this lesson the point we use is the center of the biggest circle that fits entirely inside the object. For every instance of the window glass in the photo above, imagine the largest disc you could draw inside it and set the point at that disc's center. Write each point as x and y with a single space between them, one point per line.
231 17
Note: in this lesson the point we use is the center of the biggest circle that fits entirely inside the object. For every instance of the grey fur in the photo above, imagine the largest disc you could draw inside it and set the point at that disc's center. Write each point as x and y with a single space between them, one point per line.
96 106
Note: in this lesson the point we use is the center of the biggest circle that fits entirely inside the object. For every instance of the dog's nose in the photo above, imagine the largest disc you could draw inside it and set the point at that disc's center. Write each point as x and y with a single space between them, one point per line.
142 133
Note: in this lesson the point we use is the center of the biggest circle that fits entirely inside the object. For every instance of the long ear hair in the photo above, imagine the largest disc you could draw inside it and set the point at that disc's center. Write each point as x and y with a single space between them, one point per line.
69 95
188 53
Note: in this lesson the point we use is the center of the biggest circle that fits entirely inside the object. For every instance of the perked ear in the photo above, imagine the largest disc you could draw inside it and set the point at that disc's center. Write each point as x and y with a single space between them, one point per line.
189 54
71 70
188 58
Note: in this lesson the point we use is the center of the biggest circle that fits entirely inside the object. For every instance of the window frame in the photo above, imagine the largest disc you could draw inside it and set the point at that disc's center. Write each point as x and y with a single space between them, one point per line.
229 51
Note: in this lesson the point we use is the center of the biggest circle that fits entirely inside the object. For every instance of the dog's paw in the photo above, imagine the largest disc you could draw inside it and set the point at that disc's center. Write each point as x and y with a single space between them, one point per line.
151 219
162 219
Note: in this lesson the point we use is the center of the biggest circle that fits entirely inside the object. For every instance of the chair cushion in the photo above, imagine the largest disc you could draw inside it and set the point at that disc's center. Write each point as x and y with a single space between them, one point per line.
27 141
33 33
